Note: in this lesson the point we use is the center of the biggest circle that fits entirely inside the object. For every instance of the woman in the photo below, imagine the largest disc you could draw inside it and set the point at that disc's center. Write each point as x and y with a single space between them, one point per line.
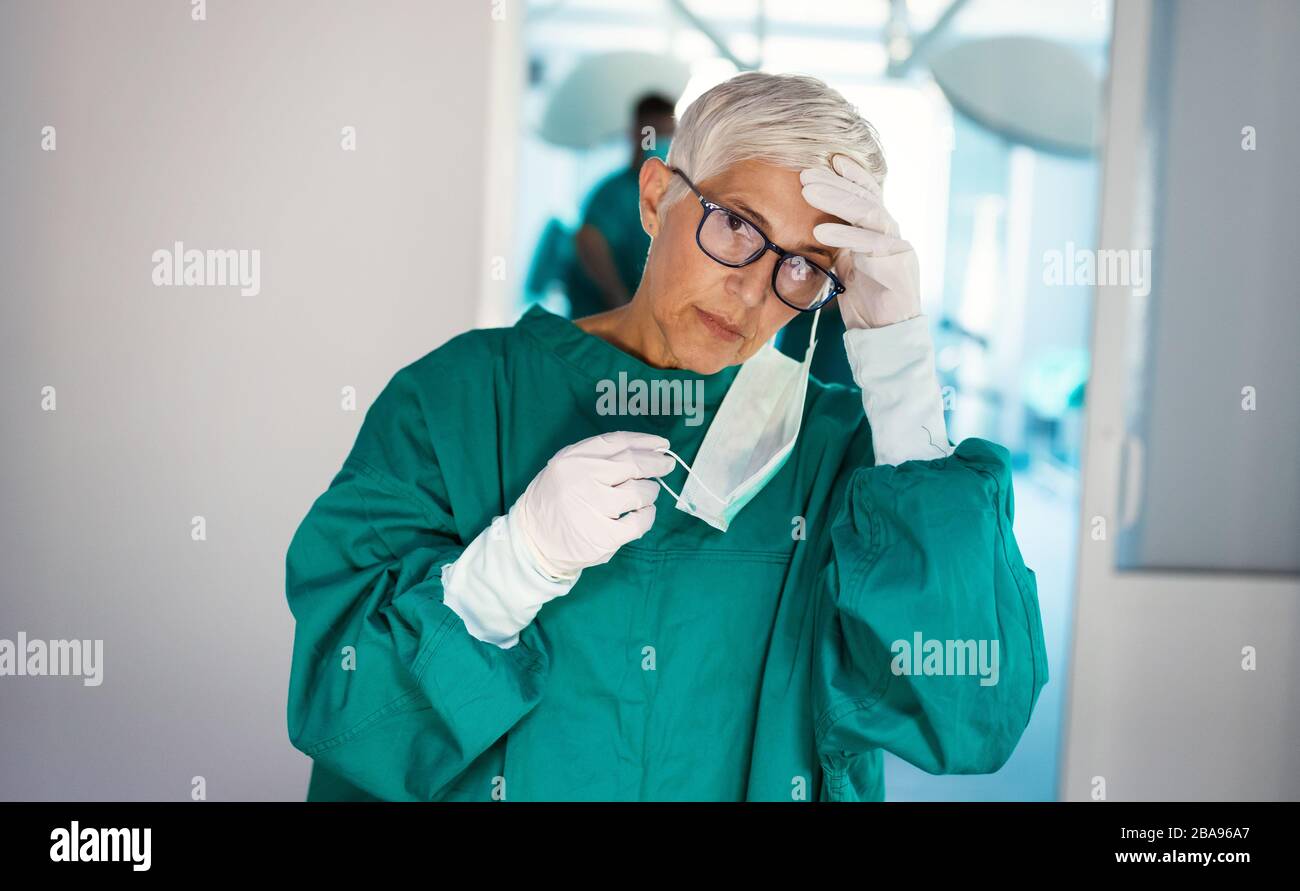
497 599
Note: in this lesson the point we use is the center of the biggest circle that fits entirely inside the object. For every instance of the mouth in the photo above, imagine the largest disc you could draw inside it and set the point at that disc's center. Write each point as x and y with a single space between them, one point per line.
719 327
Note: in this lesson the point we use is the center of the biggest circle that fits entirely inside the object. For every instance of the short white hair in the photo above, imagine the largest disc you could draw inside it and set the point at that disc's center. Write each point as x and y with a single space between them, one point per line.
789 120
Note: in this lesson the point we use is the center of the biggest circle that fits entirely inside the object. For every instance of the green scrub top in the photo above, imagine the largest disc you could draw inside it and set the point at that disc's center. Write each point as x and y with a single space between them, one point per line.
755 664
613 209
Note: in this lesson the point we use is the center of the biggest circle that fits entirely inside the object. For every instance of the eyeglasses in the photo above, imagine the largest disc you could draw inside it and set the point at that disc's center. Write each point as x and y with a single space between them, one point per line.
730 239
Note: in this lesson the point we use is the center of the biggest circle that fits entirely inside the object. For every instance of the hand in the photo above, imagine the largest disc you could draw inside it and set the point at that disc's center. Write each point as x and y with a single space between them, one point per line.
592 498
879 270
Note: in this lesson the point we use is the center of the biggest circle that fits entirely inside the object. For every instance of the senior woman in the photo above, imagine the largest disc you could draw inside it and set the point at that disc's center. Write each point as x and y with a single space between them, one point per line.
504 595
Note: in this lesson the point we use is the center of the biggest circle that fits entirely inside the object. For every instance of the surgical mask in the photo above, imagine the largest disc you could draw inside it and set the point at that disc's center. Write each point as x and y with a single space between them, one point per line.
751 436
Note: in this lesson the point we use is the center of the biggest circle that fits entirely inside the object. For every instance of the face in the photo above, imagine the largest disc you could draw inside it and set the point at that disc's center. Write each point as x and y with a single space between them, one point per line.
710 315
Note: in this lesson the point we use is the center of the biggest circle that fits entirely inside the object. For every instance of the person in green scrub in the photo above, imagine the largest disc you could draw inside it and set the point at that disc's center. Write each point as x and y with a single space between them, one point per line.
645 556
611 245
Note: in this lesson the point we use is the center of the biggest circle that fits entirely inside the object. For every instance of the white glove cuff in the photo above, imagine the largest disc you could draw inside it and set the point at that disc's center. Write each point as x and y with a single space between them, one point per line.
894 366
519 525
496 585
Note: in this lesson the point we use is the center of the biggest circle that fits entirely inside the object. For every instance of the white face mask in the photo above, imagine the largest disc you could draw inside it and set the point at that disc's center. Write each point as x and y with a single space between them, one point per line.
750 438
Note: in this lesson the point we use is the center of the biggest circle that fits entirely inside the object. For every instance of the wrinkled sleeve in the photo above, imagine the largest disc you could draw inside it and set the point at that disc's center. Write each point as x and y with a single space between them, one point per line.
387 689
923 554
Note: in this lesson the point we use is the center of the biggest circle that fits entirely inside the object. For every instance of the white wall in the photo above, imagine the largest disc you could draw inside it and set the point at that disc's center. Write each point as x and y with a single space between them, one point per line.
1162 706
176 402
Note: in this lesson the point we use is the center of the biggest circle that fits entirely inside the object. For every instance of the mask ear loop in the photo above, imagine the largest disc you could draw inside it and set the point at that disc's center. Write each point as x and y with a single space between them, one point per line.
679 460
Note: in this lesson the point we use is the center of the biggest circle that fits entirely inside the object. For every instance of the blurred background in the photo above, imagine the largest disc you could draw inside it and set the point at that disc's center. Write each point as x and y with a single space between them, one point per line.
494 146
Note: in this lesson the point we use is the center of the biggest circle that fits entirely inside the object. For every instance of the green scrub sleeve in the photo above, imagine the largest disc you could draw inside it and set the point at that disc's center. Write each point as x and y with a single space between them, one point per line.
924 559
387 689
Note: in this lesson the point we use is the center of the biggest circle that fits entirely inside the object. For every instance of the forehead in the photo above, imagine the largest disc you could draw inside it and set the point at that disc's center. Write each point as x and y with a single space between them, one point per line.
772 197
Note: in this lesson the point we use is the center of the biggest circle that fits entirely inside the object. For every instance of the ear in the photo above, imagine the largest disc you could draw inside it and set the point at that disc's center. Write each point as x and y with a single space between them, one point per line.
653 180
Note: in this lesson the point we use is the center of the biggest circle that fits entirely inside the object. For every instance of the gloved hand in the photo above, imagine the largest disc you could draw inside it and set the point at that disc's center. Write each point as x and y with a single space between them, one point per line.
879 270
592 498
888 342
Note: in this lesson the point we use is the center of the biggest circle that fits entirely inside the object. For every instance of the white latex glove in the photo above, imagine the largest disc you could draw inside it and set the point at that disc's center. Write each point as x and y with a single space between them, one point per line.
496 586
592 498
879 270
894 366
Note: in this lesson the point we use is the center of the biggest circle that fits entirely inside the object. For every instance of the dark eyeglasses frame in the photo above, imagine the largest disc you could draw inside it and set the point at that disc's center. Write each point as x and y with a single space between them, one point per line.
837 287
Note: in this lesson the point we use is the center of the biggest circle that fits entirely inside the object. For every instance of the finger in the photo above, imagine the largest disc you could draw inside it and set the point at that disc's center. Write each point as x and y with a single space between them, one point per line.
866 212
859 241
822 176
645 441
651 464
850 169
637 464
636 524
631 495
608 444
631 464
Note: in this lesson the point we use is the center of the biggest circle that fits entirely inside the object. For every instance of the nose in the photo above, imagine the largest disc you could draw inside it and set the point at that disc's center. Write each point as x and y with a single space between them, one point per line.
751 283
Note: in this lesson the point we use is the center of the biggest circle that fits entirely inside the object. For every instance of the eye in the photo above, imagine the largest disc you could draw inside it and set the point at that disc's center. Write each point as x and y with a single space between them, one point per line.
736 224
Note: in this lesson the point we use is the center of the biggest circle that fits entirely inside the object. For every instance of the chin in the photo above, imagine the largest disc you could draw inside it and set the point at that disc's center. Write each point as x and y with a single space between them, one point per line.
704 361
700 352
707 369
